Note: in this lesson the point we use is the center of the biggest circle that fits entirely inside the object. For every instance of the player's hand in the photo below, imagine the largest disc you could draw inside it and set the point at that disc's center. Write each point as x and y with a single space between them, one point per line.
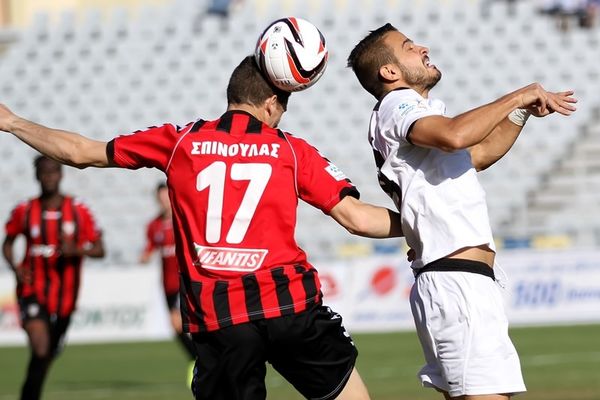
23 275
5 117
411 255
68 248
533 96
560 102
540 102
145 257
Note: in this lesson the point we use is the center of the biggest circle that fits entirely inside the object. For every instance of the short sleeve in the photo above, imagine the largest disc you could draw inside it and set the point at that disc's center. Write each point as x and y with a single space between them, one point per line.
15 224
321 183
150 148
409 107
90 232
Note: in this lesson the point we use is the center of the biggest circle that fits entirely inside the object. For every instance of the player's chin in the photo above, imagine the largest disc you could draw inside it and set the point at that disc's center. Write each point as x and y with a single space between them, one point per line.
433 69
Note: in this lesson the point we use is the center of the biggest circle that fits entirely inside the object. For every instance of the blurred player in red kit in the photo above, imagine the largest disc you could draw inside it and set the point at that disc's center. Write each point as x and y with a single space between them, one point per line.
160 236
60 231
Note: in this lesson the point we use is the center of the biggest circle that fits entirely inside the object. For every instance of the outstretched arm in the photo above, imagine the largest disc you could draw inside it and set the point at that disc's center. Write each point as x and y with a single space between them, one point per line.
367 220
472 127
66 147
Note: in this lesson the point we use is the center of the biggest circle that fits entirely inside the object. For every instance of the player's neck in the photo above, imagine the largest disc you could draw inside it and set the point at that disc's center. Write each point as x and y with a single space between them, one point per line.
424 92
51 200
256 112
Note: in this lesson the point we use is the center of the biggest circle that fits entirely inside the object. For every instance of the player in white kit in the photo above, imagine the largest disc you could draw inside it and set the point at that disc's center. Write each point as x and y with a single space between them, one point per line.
427 163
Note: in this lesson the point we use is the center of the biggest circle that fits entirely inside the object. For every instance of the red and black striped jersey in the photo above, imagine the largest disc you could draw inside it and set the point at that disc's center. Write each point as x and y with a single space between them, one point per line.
55 279
234 185
159 236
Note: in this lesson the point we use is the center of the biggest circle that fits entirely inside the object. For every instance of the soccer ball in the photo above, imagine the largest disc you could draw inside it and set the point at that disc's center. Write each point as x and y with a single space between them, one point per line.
291 52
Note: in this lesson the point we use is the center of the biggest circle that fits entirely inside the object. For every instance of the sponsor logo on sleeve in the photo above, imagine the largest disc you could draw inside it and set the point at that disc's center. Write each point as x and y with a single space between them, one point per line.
407 107
334 171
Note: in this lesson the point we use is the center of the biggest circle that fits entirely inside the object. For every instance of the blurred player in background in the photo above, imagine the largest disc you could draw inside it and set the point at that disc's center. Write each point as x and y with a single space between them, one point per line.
60 231
160 236
249 294
427 164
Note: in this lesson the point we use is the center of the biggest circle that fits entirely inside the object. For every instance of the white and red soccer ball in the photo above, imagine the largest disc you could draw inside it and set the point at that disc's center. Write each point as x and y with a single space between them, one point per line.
291 52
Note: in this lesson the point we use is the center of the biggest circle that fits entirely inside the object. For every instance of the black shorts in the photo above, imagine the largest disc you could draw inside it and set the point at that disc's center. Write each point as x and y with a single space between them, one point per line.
172 301
30 309
311 350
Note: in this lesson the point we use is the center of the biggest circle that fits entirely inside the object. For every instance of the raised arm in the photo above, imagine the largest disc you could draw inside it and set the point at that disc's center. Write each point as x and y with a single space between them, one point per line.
495 145
504 135
367 220
66 147
472 127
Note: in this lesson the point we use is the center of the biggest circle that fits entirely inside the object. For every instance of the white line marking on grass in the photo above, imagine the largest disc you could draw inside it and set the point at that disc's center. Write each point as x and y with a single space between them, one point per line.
561 358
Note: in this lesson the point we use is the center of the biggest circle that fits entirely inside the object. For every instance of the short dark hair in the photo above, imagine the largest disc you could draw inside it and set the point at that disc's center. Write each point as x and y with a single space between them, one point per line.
368 56
248 85
38 160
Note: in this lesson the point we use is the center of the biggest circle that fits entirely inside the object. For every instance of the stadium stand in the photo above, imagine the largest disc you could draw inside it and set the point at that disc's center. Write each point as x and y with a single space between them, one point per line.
115 70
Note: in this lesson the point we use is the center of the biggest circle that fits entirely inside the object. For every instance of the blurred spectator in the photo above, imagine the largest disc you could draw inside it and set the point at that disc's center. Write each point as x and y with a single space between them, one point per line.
589 17
567 12
511 7
219 7
4 13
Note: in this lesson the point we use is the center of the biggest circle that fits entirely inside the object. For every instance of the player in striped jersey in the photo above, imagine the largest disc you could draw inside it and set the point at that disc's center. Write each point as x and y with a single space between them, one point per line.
59 231
248 293
160 237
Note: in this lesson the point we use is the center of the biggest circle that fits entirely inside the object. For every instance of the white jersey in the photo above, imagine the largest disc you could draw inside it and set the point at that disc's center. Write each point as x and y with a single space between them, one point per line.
441 202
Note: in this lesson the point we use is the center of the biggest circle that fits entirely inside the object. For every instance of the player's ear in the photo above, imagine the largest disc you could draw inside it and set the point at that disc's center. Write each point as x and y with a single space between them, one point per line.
271 105
273 111
390 72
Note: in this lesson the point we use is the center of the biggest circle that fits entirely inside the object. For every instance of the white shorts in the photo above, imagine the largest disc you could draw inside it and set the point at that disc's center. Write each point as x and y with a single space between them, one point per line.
463 330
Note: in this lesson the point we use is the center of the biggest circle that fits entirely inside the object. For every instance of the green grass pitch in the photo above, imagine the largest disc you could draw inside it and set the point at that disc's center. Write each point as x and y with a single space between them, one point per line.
559 363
